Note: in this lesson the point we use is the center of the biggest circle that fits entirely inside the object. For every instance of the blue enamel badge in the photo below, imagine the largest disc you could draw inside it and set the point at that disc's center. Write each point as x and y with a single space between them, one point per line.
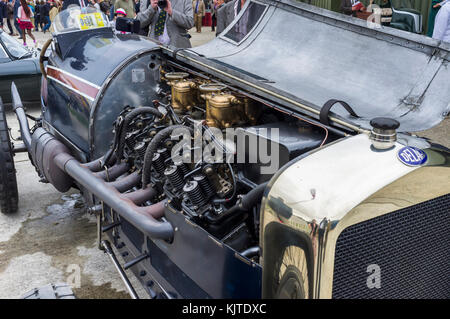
412 156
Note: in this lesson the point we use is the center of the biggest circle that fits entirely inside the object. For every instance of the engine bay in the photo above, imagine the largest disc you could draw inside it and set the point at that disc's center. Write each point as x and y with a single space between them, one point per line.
209 151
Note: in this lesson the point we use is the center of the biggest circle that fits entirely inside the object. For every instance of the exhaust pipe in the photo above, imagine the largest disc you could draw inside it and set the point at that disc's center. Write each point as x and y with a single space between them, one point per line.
53 160
143 218
21 117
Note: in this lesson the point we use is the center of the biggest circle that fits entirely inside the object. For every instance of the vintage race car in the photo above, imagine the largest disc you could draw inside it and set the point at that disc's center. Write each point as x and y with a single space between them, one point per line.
19 65
276 161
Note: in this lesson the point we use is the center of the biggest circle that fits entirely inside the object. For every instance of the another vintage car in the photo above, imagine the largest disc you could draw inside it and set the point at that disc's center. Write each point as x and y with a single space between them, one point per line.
20 65
312 186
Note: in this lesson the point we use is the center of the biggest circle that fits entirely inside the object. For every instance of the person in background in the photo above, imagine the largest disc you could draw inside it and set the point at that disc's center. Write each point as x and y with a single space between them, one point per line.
45 15
120 13
54 10
10 17
137 6
217 4
442 25
227 13
111 12
16 20
3 13
104 6
31 5
350 7
24 15
37 16
42 21
170 24
95 4
145 25
435 7
128 6
199 11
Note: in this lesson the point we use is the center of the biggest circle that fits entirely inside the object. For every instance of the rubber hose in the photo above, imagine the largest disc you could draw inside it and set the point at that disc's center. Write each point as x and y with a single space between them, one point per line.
151 149
247 202
126 122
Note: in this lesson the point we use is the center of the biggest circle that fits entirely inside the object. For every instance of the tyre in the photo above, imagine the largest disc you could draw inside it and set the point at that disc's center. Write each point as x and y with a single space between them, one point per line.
9 196
291 280
51 291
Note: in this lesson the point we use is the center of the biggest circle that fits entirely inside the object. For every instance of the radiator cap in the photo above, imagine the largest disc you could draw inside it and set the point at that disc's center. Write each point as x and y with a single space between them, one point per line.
384 132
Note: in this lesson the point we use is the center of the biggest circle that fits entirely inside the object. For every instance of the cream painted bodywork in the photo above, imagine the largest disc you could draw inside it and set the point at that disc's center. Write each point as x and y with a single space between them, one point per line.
353 172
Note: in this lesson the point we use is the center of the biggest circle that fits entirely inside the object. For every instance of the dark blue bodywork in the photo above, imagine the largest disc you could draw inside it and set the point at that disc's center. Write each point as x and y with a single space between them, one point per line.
109 62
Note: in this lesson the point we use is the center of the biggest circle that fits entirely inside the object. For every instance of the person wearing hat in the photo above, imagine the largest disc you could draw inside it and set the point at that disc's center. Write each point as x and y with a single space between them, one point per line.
128 6
120 13
169 25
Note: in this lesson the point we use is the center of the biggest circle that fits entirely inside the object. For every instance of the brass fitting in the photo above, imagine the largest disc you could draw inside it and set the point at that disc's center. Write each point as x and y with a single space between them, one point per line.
184 91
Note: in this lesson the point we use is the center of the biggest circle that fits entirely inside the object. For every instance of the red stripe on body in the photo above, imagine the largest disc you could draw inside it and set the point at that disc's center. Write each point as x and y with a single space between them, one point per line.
73 82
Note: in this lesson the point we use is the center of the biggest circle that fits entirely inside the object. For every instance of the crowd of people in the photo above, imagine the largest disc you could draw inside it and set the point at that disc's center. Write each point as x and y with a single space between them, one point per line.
168 21
21 17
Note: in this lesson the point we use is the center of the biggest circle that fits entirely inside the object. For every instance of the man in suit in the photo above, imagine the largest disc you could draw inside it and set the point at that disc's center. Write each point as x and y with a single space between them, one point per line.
199 11
217 4
169 25
80 3
227 13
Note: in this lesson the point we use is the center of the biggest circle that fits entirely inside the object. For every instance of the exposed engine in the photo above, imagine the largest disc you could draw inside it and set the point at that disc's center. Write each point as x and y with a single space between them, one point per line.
183 147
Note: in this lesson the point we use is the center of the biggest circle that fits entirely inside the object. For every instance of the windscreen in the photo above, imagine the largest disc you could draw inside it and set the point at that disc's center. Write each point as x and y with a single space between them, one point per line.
75 18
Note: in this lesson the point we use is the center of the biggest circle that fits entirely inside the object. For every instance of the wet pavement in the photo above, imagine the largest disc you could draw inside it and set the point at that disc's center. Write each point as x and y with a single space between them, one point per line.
52 238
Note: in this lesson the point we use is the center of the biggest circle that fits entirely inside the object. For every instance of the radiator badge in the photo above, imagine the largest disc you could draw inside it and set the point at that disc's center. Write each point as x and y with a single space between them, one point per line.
412 156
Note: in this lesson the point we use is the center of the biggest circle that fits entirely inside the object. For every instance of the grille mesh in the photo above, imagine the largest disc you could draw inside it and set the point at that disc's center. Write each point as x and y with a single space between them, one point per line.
411 246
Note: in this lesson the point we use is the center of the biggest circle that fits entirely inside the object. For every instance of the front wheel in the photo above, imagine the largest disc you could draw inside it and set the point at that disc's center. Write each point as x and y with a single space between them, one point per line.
9 196
291 280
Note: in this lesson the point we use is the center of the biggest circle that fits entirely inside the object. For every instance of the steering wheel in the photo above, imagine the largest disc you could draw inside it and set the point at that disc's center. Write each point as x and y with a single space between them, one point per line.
43 58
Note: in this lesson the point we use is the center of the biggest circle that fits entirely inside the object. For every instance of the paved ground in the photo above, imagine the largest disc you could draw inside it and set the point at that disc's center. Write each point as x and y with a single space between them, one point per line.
51 238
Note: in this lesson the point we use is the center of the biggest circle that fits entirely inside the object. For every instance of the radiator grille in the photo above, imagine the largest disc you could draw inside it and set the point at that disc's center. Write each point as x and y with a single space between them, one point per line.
411 246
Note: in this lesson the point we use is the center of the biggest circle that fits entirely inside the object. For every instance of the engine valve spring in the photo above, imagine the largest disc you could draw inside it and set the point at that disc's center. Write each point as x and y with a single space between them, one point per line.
195 194
140 148
181 167
164 153
158 164
205 185
174 176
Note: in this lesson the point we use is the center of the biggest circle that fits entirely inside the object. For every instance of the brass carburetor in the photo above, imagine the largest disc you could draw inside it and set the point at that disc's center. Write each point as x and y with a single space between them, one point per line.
224 109
184 91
